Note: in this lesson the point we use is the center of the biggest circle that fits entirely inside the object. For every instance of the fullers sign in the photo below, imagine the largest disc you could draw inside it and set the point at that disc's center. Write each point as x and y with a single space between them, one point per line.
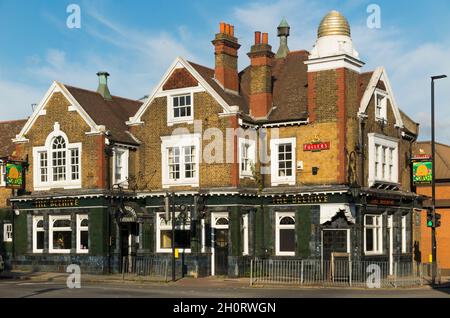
316 147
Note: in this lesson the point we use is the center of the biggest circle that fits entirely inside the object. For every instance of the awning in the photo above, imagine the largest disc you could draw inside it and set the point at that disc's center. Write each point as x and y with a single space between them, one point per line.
329 211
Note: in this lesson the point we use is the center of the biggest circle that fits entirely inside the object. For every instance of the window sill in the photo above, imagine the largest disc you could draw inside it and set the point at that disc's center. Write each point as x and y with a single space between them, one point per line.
283 182
181 184
59 251
374 253
188 121
285 254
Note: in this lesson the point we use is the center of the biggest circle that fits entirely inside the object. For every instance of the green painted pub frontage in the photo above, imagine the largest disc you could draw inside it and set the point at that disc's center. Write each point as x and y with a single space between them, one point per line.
216 233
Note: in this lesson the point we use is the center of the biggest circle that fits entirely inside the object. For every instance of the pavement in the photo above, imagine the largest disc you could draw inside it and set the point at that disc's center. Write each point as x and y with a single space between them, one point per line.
42 285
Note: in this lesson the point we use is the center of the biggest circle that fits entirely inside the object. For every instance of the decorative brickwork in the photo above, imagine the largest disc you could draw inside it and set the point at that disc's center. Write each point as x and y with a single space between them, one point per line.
180 78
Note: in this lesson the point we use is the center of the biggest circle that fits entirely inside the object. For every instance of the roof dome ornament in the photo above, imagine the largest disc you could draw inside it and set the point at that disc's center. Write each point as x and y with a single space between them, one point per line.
334 23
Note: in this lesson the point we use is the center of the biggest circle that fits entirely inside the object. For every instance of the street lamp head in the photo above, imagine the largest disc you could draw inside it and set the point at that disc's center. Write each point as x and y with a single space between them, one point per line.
438 77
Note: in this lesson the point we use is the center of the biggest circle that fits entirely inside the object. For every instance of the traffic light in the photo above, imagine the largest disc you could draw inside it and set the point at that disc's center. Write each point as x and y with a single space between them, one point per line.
430 221
437 220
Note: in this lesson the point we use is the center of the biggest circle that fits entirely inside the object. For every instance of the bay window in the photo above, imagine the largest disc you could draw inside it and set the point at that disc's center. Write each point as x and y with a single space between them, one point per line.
383 159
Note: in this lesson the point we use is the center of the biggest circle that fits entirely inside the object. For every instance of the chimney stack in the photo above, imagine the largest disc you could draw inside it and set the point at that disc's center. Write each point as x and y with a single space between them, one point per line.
226 53
103 85
261 57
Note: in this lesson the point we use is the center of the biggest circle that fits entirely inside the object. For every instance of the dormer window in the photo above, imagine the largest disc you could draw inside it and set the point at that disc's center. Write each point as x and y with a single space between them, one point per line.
381 106
180 108
58 163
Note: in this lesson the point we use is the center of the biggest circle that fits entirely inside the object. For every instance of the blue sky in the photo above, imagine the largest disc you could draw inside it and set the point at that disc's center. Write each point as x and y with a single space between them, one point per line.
137 40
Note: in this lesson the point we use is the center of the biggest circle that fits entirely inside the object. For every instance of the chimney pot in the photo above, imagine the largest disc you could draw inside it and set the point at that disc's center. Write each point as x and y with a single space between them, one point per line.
232 30
222 27
265 38
227 29
257 37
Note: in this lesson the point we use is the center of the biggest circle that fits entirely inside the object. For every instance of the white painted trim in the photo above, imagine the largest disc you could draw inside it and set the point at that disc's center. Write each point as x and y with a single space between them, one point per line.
35 221
2 174
380 74
54 88
52 219
7 231
178 63
390 228
245 235
379 232
403 223
274 178
278 217
80 218
334 62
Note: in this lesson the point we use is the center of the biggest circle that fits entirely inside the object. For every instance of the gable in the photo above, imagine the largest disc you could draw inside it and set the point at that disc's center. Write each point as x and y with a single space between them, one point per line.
180 78
72 106
174 70
380 80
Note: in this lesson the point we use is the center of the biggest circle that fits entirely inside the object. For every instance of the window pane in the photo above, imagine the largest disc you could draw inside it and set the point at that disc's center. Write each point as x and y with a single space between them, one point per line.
175 101
287 221
62 240
166 239
287 240
40 240
369 240
61 223
84 240
182 238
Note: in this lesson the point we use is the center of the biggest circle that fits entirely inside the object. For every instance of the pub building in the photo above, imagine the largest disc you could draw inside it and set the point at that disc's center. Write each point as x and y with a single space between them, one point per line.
317 163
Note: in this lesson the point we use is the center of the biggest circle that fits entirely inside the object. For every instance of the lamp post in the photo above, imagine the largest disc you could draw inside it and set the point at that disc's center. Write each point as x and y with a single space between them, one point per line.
433 180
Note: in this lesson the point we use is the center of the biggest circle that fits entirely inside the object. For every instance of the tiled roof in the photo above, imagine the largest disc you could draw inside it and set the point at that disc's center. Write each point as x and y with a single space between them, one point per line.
8 131
442 157
113 114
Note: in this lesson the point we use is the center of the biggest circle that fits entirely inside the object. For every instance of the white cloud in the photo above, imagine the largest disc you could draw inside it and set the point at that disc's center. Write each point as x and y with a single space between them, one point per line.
17 99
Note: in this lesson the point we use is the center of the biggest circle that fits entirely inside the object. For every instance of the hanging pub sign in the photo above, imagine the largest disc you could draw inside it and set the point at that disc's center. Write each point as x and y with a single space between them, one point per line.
14 176
422 172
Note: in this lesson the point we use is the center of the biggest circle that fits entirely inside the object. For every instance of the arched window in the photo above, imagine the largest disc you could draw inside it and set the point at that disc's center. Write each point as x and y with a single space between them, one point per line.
82 234
38 234
285 233
59 159
57 164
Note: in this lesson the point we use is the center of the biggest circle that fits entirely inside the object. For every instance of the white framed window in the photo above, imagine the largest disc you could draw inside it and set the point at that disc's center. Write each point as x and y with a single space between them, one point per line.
247 156
120 166
244 234
381 105
2 174
282 158
60 234
7 232
164 234
285 234
58 163
373 234
180 160
383 159
82 234
404 247
181 108
38 234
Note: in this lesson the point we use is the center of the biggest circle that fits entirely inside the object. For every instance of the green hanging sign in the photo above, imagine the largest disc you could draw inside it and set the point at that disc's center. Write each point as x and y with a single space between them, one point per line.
14 176
422 172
